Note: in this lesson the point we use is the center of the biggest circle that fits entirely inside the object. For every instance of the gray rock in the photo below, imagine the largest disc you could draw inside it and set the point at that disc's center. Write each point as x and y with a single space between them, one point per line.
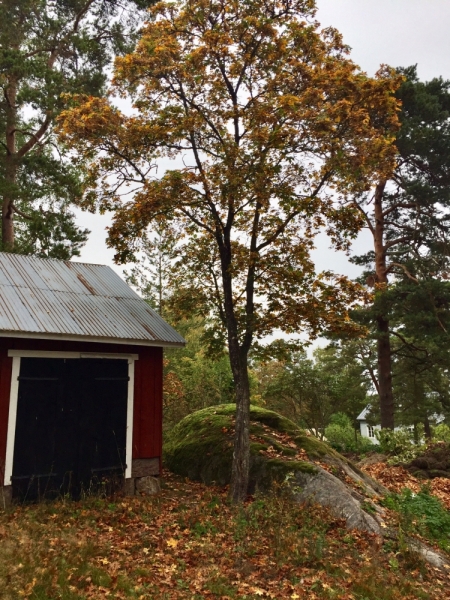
5 497
368 485
429 555
147 485
129 486
327 490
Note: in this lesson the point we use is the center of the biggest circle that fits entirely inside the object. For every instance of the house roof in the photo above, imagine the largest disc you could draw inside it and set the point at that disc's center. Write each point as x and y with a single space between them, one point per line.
363 415
55 299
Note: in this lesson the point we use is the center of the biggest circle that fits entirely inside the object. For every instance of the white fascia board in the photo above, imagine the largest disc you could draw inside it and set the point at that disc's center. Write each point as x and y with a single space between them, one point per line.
58 354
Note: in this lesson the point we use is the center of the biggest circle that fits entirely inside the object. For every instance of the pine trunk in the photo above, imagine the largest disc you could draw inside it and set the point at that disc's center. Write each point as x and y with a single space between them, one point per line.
10 167
385 391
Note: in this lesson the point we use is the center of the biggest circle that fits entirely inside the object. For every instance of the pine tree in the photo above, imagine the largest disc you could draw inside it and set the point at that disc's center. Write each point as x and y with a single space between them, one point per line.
408 217
47 49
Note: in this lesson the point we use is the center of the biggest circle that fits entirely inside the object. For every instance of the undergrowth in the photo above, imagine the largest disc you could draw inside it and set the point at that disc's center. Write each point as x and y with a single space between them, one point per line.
422 513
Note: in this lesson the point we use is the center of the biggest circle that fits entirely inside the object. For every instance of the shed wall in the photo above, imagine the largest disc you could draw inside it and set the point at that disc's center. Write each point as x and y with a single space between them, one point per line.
148 390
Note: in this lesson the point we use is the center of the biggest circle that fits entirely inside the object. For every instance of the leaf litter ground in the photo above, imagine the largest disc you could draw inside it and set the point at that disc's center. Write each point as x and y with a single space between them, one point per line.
397 478
189 543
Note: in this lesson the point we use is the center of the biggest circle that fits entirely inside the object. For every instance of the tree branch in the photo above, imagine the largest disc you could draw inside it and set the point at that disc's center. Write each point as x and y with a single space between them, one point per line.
35 137
407 273
19 212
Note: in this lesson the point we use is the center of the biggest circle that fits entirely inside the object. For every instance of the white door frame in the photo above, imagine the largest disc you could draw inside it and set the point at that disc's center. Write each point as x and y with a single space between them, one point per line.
16 355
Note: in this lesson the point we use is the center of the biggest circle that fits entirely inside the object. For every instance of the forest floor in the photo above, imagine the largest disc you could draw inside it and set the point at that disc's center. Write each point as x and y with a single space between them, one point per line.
188 543
398 478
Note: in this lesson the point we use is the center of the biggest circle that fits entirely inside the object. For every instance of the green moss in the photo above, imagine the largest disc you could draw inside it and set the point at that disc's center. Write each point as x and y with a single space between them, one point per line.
256 448
201 446
293 465
269 440
313 447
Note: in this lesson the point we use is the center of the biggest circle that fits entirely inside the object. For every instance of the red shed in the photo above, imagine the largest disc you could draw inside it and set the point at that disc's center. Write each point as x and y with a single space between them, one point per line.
81 373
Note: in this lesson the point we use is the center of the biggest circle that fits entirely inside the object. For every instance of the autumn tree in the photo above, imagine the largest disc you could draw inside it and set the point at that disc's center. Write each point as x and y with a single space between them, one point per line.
274 130
48 48
408 216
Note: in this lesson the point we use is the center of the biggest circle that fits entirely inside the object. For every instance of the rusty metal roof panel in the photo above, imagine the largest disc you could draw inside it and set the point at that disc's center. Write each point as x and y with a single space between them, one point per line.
44 297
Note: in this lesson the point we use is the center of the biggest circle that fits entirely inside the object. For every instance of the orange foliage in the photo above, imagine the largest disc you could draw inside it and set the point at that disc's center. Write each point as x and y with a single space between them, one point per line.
276 127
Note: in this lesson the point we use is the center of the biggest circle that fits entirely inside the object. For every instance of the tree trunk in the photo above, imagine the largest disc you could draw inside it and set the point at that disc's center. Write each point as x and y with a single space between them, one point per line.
241 453
239 367
427 429
385 391
385 374
10 167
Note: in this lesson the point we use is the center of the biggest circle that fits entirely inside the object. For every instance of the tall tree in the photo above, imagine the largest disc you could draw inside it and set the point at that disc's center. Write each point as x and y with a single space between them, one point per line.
276 128
48 48
407 215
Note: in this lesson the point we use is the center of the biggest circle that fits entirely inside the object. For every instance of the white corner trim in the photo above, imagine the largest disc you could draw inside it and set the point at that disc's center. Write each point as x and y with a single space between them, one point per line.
130 417
12 417
58 354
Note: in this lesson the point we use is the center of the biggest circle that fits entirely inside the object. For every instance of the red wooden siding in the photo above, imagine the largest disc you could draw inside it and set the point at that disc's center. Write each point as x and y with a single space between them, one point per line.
147 425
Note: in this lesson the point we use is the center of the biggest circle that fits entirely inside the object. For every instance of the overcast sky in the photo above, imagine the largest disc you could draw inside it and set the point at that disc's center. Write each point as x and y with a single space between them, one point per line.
393 32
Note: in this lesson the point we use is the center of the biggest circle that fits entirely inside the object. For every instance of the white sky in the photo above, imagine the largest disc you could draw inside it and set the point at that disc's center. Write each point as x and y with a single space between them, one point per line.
394 32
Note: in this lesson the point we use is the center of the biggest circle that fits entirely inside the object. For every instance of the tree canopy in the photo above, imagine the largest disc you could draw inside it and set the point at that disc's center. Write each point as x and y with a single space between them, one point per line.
274 129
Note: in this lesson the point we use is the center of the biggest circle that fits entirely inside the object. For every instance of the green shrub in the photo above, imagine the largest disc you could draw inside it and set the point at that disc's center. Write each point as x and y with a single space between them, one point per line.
342 436
441 433
422 513
398 444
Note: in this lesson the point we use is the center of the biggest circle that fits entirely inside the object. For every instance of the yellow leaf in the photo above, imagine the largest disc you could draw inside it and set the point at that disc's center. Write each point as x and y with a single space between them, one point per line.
172 543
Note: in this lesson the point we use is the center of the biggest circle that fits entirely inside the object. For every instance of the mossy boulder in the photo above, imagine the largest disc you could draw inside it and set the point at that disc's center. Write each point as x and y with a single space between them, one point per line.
200 447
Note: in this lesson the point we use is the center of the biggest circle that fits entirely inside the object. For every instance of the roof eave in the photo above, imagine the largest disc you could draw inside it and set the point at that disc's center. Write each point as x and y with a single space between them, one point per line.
94 339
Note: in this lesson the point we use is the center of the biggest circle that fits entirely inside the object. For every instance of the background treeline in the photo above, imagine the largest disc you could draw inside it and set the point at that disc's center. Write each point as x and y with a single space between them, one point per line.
388 332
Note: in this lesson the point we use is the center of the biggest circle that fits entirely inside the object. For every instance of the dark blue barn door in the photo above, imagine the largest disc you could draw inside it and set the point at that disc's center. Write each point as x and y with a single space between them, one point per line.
71 427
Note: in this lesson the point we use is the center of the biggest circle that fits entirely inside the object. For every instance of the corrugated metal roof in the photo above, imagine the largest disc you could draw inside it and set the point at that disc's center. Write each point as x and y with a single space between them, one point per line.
54 298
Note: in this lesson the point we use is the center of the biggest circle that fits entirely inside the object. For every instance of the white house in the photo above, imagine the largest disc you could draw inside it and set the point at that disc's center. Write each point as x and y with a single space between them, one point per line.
366 430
